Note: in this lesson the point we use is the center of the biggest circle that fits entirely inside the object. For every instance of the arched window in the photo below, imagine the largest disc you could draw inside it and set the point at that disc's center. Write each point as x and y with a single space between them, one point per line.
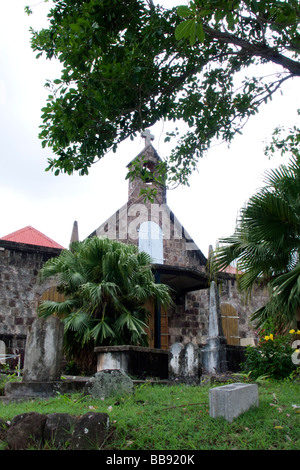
151 241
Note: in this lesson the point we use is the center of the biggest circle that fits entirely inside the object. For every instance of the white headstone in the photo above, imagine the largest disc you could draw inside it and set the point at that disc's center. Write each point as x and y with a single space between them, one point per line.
2 352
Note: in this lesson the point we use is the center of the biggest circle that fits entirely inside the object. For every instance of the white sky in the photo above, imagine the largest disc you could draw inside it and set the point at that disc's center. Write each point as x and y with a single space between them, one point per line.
226 178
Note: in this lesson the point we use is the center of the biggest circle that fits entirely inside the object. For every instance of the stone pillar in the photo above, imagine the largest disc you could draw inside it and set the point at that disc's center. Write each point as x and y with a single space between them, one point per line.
2 352
44 351
214 353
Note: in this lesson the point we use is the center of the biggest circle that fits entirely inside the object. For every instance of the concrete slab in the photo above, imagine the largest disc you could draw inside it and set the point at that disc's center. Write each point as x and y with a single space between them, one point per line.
230 401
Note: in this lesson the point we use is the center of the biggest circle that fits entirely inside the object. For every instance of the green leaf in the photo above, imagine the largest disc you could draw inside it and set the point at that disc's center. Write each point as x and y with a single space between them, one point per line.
75 27
184 11
200 32
183 30
193 34
230 21
219 15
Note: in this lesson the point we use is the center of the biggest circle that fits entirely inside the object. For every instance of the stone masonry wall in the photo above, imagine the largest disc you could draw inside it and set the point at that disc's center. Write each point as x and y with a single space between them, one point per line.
188 320
20 290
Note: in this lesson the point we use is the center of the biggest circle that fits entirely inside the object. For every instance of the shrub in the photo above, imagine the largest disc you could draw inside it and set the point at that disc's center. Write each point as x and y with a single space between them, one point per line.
273 355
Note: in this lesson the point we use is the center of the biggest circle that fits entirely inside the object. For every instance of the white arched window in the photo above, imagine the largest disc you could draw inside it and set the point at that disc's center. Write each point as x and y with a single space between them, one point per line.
151 241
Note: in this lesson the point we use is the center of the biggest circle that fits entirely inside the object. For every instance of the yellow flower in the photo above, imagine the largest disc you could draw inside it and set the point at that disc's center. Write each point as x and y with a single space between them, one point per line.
298 332
292 332
271 336
267 338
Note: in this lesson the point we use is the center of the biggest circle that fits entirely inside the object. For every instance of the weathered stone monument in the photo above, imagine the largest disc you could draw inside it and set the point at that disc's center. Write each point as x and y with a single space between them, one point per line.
184 363
42 363
2 352
44 351
109 382
214 353
176 360
138 361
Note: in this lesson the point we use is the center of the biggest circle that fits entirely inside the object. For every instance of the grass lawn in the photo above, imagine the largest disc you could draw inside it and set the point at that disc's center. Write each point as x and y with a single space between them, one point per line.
176 417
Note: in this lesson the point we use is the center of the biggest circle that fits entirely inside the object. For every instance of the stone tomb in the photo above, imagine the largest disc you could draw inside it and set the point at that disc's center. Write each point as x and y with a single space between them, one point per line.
229 401
42 363
137 361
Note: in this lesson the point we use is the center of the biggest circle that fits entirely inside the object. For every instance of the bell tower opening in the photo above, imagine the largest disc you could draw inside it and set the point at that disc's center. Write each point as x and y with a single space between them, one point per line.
143 173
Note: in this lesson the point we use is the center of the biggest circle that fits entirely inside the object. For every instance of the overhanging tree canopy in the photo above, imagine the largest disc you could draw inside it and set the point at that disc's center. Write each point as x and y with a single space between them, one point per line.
127 64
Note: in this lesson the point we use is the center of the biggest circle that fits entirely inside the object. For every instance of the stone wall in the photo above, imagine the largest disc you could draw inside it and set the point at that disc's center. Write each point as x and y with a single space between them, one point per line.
20 293
20 290
188 320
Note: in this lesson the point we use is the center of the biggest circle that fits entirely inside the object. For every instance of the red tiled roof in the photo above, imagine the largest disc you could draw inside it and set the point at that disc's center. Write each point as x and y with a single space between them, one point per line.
31 236
231 270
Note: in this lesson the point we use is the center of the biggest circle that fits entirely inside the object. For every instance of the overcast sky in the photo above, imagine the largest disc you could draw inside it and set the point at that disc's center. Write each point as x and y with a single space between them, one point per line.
226 178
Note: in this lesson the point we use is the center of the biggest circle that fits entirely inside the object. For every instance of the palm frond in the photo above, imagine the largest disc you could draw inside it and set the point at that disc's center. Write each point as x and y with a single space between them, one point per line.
78 322
61 309
101 331
131 322
108 283
266 242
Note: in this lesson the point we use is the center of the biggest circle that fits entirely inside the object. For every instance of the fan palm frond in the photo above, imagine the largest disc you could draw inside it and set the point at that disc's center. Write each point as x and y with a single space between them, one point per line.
78 321
106 283
61 309
101 331
266 242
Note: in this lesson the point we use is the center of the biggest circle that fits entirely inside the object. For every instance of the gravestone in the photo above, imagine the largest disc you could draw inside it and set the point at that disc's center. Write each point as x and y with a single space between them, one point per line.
42 363
2 352
176 360
184 363
44 351
191 362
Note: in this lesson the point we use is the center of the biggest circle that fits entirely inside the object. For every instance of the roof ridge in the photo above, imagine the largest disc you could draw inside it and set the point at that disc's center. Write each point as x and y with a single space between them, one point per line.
42 240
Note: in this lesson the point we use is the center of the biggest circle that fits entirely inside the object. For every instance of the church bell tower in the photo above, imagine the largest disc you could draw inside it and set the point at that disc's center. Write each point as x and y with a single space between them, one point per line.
147 162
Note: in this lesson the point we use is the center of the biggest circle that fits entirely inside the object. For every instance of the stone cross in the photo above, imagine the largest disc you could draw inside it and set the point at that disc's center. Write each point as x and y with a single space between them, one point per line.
147 136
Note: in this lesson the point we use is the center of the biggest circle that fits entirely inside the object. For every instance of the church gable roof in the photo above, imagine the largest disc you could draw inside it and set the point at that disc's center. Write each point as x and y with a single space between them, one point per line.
148 153
30 236
125 223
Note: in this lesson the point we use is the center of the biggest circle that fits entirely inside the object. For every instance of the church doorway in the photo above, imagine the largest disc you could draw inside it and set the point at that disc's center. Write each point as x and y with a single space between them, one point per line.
158 331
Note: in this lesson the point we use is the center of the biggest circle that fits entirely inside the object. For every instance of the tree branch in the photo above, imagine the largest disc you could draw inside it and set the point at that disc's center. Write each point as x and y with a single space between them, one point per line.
260 50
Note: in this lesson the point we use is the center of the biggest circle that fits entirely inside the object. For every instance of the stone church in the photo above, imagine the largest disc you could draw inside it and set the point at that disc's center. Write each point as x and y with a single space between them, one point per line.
177 262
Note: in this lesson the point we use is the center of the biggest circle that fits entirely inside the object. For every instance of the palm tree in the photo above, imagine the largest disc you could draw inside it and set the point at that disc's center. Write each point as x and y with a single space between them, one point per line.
266 244
106 284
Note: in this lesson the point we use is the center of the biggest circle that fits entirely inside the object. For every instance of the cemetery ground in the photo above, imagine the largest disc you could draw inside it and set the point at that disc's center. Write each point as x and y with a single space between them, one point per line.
176 417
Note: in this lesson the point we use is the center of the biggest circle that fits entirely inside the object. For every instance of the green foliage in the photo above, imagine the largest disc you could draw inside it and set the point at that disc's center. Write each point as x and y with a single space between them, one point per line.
266 246
176 417
106 285
127 65
272 357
